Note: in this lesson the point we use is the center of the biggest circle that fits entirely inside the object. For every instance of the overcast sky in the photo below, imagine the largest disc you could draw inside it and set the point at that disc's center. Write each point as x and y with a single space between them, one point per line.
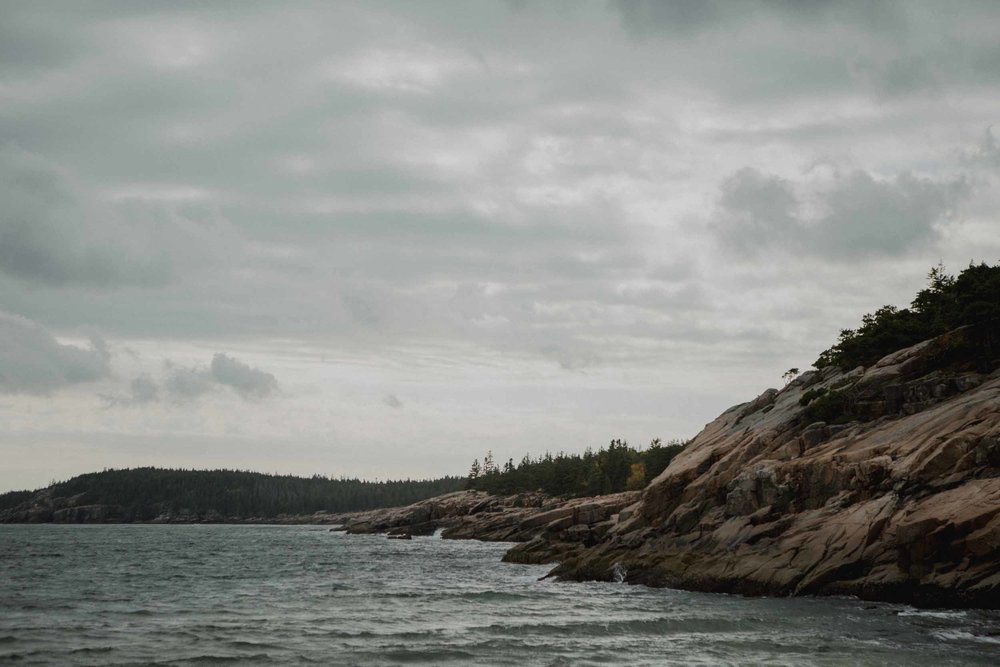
377 239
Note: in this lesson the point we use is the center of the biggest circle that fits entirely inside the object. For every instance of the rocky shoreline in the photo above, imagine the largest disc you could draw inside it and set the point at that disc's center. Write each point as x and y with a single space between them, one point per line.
459 515
899 503
524 517
896 500
43 508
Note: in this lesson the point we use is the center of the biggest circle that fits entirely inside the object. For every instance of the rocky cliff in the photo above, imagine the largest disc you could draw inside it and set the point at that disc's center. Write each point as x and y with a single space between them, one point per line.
894 495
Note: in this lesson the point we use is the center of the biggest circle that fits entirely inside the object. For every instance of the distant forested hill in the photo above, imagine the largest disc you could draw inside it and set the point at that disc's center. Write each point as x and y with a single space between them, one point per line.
143 494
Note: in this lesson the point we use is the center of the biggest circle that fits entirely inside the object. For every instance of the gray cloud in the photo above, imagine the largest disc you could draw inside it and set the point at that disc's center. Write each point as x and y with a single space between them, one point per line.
185 383
897 75
49 233
680 17
32 360
854 216
885 49
884 217
142 390
247 381
986 153
370 173
756 210
644 17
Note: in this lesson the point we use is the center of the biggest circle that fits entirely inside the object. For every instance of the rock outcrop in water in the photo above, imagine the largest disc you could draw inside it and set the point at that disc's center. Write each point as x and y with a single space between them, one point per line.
517 518
895 496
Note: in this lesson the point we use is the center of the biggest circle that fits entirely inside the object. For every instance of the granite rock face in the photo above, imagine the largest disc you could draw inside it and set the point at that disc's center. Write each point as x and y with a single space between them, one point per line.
524 517
897 498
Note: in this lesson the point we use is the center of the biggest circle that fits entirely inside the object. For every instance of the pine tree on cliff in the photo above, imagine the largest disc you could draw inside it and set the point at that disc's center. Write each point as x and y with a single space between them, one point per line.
474 473
971 299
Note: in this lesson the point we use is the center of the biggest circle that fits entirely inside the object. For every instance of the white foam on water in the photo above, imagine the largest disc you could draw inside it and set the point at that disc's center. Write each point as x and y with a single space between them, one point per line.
934 613
964 635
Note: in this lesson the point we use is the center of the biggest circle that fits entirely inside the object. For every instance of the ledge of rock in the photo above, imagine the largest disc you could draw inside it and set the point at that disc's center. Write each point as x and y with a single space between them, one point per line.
516 518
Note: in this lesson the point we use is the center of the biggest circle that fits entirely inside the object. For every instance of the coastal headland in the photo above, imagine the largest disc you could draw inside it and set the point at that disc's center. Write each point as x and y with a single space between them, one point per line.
899 503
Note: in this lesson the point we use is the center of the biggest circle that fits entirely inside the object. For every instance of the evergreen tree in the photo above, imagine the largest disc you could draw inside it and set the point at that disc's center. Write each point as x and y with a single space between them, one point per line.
610 470
970 300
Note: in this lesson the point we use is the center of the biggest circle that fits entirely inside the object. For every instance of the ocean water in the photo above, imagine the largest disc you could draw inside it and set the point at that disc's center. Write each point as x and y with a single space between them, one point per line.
289 595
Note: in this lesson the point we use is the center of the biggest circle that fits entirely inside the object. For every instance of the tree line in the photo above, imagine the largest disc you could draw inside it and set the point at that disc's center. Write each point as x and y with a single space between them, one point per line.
971 299
145 493
619 467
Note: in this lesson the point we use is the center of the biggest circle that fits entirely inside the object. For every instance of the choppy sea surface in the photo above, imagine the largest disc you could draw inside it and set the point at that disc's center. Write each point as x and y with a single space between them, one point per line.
289 595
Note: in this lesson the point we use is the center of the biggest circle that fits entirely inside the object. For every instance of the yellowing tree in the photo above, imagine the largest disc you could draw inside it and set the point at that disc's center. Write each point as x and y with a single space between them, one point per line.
636 477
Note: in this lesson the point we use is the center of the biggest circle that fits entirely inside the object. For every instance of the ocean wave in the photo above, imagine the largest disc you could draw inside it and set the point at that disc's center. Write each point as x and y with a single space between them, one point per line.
966 636
660 625
933 613
430 655
214 659
92 649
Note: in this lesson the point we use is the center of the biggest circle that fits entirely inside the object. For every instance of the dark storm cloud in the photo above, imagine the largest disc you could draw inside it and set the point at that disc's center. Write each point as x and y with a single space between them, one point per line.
32 360
857 215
